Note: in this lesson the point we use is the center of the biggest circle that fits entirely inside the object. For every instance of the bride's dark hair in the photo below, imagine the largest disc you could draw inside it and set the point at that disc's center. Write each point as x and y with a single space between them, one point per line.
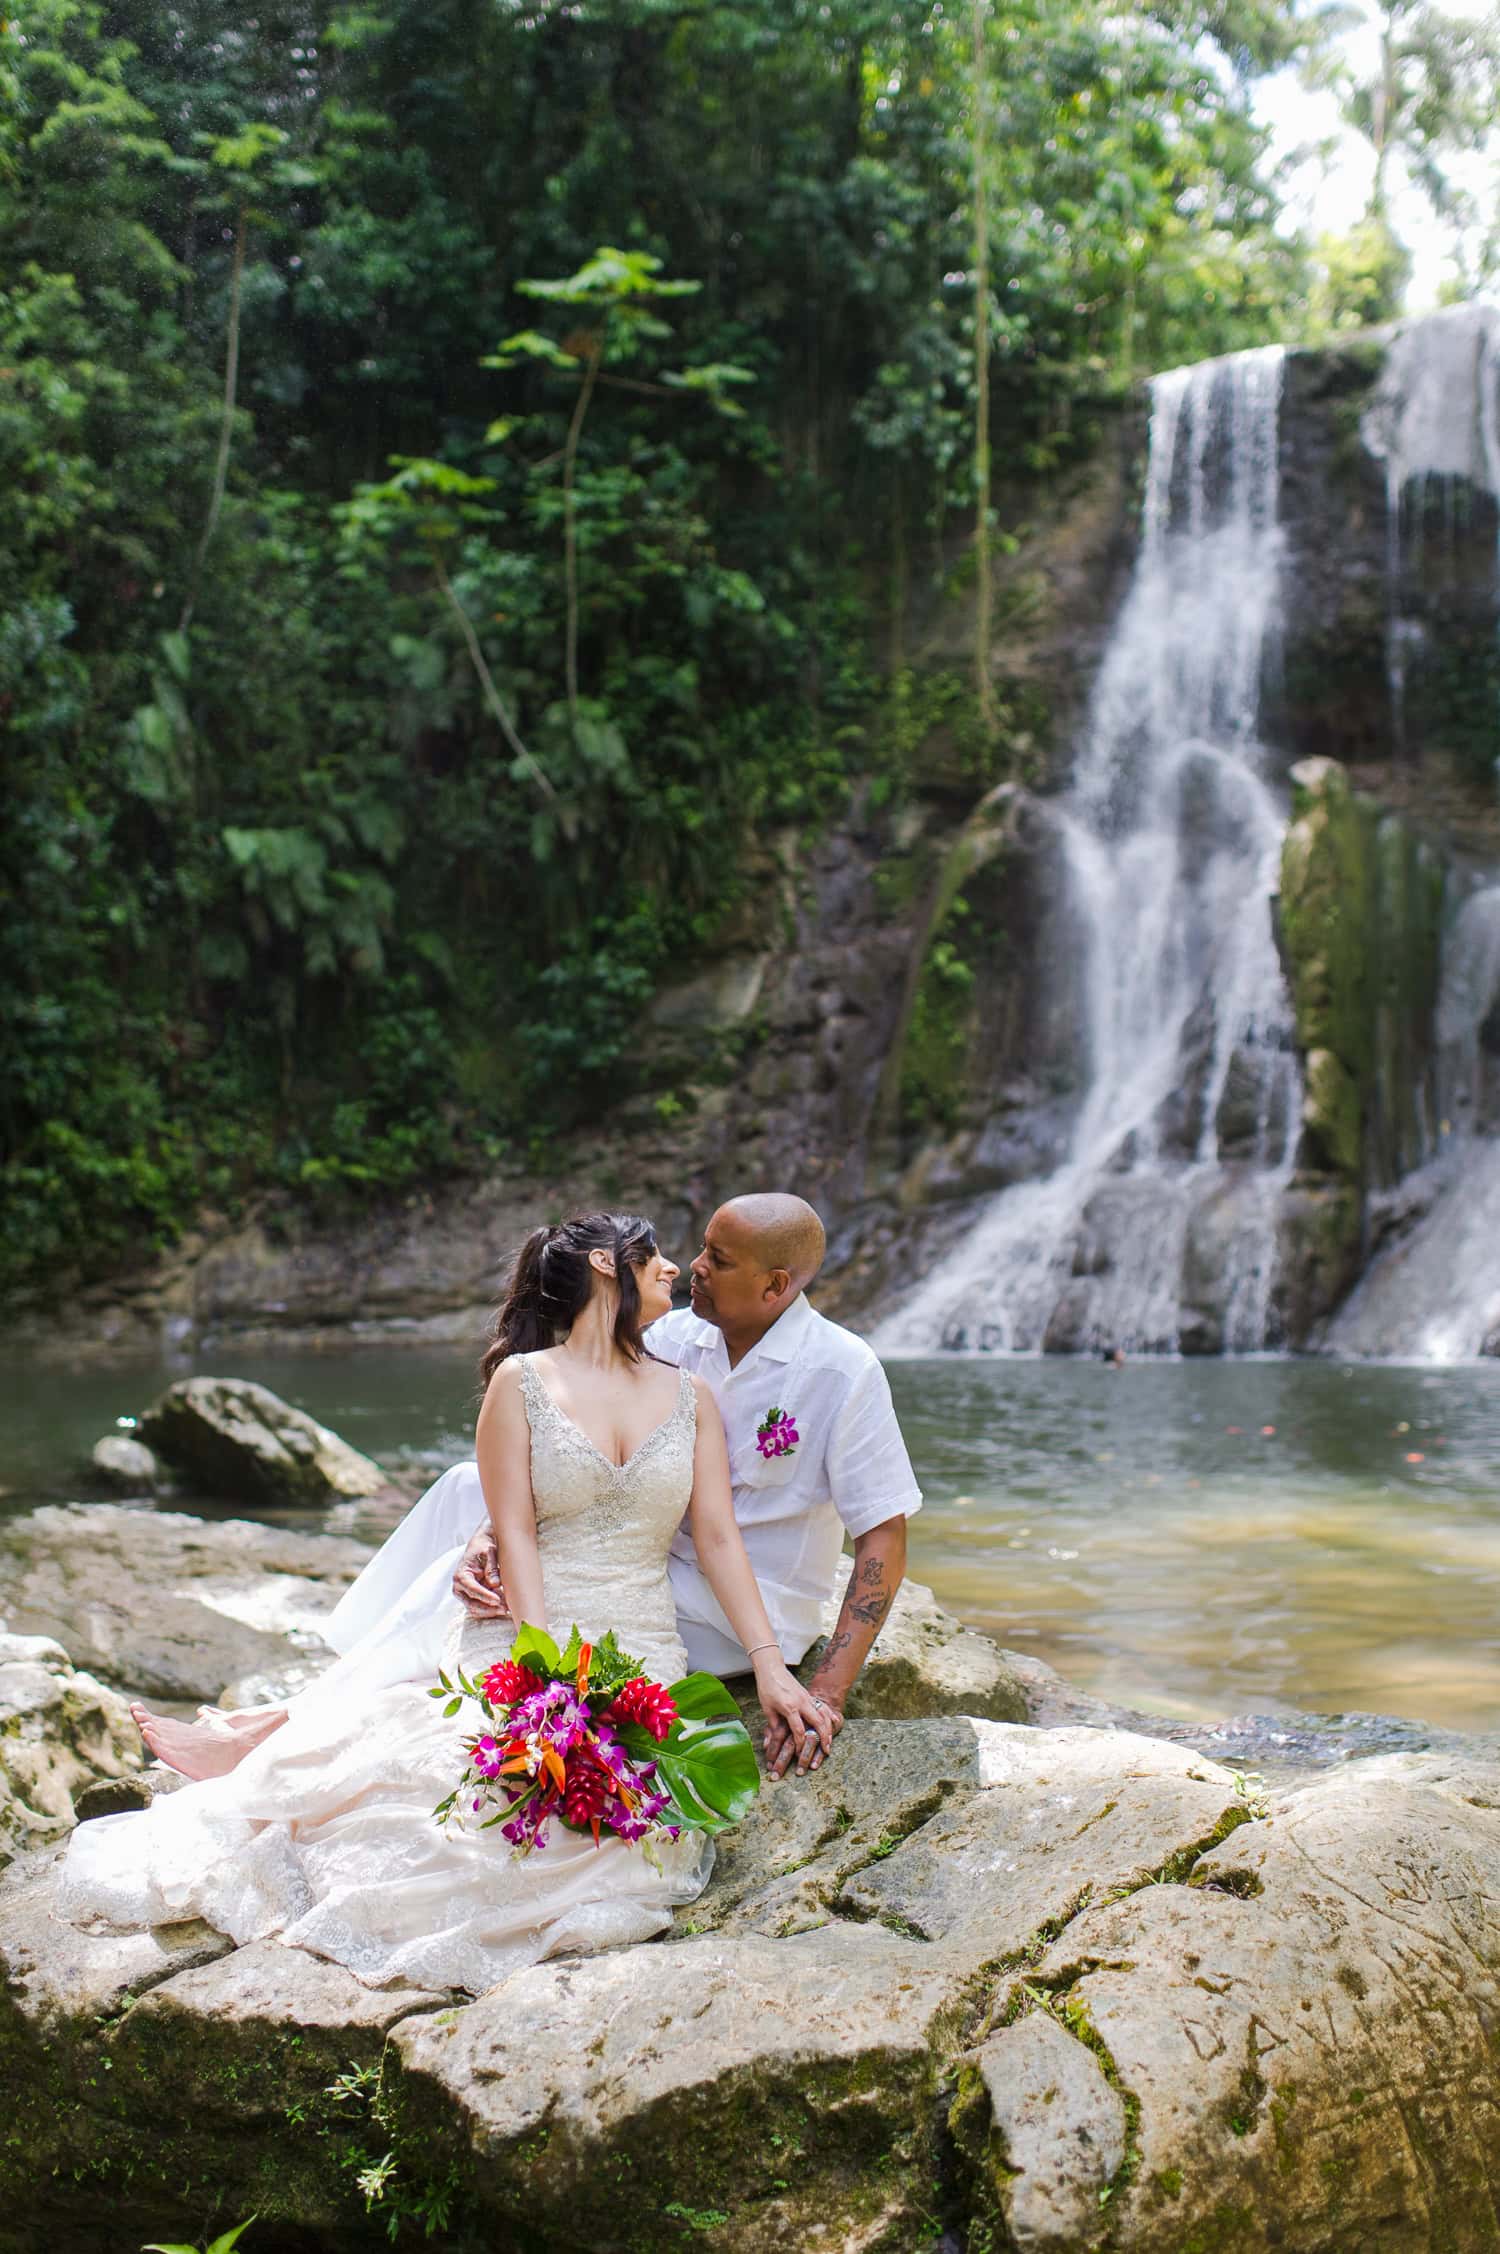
552 1283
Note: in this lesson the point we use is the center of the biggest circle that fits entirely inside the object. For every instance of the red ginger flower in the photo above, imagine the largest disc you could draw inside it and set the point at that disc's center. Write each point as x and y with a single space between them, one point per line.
588 1789
506 1682
646 1703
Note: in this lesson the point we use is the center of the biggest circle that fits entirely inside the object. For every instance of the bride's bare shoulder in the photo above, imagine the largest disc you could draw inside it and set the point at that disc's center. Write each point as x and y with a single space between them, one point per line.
502 1396
507 1378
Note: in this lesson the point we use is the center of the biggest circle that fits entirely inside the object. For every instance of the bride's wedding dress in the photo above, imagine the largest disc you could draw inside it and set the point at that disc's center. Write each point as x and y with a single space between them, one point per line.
324 1835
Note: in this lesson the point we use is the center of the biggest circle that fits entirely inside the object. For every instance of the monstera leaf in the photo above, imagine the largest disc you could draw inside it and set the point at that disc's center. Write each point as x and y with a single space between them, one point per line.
698 1697
706 1764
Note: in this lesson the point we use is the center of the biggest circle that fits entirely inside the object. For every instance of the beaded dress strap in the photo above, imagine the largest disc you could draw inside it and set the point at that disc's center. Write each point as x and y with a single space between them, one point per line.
531 1386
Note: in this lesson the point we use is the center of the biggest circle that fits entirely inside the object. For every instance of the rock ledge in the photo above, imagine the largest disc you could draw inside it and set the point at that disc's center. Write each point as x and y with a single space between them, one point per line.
974 1982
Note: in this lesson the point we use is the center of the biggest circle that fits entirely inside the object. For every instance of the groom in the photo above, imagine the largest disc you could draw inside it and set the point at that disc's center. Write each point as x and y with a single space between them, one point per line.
815 1454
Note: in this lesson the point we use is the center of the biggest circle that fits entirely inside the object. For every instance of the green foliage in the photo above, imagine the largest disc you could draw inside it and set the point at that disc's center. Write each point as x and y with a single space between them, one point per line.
932 1063
1359 279
1425 96
353 2123
383 708
225 2243
534 1648
609 1667
701 1698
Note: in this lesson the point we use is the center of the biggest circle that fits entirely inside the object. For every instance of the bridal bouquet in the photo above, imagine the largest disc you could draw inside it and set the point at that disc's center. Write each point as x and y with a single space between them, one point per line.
582 1735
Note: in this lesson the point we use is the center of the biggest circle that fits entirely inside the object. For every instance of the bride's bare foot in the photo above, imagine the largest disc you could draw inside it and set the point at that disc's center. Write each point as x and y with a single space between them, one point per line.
204 1749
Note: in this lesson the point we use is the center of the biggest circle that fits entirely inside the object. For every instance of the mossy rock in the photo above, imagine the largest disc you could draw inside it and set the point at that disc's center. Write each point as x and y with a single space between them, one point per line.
1332 1114
1359 922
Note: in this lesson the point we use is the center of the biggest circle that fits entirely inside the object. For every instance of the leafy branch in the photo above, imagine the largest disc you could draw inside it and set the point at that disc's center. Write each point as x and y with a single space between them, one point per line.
432 503
616 290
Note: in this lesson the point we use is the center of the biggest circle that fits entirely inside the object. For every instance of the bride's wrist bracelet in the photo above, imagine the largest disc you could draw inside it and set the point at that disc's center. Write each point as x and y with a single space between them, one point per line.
754 1648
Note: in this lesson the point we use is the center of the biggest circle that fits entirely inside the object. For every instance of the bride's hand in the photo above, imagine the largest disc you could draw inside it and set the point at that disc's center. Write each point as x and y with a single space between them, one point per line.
477 1580
798 1726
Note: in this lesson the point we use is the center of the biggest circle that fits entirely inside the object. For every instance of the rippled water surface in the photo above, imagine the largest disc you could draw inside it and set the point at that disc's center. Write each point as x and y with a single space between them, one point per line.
1201 1538
1194 1538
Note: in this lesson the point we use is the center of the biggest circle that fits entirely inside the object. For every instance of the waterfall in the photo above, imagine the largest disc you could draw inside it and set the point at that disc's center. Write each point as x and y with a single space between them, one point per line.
1432 422
1158 1231
1468 994
1434 1295
1434 410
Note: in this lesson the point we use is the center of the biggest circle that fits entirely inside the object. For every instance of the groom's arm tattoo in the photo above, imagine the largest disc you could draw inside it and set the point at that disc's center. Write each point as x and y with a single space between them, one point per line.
879 1567
873 1601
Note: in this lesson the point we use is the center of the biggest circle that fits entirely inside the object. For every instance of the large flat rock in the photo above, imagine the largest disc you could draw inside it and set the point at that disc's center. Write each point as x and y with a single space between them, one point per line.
725 2076
1047 1989
170 1606
1062 1818
165 2073
805 1838
1302 2034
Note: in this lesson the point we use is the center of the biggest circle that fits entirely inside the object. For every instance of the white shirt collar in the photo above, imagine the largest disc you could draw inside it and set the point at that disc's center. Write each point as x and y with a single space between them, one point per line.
783 1341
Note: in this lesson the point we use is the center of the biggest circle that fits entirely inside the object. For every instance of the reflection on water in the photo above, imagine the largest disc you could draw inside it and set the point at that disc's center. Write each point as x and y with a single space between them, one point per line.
1195 1538
1203 1538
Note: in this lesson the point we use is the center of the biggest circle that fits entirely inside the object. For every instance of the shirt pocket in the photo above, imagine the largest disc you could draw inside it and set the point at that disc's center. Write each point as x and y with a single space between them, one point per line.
771 1471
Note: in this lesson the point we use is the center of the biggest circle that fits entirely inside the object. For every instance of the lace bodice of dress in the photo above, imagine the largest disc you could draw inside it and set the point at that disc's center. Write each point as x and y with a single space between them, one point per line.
603 1531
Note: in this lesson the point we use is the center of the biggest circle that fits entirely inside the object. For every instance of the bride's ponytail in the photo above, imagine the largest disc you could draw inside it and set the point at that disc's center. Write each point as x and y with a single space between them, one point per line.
521 1326
552 1282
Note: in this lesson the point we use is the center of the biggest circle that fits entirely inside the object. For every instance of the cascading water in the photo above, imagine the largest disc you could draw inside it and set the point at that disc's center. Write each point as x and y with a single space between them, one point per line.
1470 990
1170 834
1434 422
1434 1293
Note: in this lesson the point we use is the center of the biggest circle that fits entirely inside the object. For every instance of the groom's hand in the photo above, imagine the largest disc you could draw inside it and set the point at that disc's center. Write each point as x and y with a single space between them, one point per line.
477 1581
781 1747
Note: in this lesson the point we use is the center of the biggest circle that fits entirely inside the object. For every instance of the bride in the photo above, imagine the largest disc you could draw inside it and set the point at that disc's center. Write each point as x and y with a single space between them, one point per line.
589 1453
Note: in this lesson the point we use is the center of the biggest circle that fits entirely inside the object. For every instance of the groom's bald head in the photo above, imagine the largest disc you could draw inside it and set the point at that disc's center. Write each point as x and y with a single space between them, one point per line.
758 1253
785 1232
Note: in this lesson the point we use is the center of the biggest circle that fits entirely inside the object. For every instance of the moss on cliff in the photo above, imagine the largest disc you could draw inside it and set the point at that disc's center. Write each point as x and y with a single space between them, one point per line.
1360 918
937 1035
1459 679
928 1068
931 737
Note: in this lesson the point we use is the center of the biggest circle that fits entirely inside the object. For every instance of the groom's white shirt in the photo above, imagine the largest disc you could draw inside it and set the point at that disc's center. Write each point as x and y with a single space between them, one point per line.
848 1472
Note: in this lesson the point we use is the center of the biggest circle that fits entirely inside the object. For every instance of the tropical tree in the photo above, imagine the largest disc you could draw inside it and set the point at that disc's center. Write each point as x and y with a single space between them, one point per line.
1429 98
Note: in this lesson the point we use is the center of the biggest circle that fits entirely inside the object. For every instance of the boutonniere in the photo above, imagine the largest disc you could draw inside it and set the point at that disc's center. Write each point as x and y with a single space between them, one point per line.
777 1434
